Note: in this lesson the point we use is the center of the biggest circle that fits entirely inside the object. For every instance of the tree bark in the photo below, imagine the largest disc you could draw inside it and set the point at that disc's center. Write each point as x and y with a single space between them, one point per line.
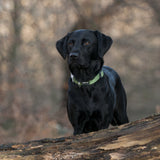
136 140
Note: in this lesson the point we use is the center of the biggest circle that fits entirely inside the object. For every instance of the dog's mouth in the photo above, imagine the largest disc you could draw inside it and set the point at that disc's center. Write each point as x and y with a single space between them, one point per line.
78 64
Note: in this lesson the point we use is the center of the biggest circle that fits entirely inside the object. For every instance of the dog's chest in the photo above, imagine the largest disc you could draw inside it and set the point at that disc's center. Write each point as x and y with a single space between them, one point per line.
88 98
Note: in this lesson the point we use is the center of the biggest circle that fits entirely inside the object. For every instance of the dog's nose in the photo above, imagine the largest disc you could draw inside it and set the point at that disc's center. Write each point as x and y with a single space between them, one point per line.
73 55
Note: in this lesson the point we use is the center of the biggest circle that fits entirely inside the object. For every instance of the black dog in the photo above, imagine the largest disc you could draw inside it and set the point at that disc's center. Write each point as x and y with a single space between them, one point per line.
96 96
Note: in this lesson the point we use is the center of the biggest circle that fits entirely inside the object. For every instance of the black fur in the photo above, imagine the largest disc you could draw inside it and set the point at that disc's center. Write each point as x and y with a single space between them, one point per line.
92 107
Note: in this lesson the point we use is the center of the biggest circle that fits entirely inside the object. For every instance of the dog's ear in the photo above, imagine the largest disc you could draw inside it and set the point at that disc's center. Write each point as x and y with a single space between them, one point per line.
61 46
104 43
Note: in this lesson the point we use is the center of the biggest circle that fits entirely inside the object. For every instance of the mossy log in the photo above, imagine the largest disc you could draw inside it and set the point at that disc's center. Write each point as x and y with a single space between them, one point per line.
136 140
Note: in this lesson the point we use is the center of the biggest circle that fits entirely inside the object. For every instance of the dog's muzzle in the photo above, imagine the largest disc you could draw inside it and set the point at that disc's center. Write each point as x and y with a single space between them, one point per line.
73 55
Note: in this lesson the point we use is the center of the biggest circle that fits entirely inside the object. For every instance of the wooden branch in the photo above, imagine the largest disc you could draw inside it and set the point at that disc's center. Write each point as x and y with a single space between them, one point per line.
137 140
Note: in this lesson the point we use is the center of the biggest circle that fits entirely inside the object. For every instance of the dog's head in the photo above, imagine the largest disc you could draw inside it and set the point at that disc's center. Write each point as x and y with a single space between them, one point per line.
81 47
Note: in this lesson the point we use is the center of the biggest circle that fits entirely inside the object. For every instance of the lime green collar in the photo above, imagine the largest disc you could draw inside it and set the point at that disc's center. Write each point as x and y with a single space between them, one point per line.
94 80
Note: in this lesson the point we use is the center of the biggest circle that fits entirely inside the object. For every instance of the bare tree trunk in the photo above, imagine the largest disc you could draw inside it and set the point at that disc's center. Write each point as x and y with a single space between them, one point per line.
12 56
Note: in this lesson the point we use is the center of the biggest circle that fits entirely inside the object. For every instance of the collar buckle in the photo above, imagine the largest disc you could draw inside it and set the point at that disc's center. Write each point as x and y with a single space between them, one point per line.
85 83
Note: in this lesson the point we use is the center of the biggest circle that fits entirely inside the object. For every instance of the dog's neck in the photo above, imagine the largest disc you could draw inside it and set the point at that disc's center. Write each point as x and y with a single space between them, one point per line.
83 75
87 74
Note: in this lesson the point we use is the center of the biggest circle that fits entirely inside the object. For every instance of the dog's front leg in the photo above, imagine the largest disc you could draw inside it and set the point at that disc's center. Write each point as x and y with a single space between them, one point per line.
78 129
80 122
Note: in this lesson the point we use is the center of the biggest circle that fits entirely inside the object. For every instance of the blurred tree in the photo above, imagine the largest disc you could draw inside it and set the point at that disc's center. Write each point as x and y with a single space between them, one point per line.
12 54
155 5
88 18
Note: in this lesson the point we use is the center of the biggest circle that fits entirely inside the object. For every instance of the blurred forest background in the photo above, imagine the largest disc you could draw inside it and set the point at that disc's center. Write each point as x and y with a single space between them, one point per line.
33 76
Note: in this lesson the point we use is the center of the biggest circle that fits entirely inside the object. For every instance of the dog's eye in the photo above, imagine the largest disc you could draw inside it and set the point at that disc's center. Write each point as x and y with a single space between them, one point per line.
86 43
70 44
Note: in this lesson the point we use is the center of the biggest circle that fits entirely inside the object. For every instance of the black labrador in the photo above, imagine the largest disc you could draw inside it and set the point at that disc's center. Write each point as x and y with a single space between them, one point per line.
96 97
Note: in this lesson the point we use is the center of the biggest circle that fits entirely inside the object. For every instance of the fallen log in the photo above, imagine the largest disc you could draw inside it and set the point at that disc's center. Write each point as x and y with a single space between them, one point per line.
136 140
